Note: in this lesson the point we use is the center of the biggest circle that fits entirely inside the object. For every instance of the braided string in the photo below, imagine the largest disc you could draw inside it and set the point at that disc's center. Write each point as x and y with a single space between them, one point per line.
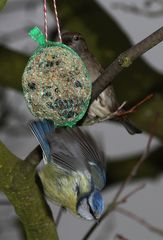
57 21
45 21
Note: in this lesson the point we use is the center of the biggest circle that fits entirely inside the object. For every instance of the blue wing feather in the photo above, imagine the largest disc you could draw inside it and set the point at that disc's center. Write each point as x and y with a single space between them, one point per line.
71 149
41 129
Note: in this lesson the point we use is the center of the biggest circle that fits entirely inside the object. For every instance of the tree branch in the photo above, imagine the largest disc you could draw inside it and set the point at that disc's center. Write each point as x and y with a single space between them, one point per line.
2 4
115 202
134 170
124 60
140 220
145 11
120 237
17 181
110 208
152 168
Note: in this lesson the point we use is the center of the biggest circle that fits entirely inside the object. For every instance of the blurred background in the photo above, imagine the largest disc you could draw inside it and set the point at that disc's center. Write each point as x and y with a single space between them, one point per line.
109 27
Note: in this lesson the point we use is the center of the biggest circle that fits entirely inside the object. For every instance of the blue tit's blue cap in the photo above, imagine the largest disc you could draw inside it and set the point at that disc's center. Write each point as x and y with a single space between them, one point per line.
96 203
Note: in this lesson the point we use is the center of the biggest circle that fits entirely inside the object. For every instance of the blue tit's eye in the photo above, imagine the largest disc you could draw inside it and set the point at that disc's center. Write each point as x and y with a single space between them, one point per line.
77 190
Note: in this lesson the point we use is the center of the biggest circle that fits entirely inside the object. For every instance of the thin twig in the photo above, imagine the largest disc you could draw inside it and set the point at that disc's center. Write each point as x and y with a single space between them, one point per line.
125 60
140 161
140 11
120 112
140 220
134 108
120 237
110 208
130 194
135 169
133 172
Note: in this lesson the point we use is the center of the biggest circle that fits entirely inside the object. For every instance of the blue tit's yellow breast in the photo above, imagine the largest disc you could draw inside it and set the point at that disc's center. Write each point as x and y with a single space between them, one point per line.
63 187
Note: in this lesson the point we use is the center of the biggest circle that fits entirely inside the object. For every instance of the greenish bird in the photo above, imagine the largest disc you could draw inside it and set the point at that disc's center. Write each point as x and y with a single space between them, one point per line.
73 173
106 104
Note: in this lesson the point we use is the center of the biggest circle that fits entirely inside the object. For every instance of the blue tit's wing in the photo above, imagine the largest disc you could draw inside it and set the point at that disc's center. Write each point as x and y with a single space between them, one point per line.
99 176
73 150
66 150
95 158
41 129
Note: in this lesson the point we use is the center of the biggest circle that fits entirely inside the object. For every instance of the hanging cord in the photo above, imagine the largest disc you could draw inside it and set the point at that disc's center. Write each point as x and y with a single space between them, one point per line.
57 21
46 21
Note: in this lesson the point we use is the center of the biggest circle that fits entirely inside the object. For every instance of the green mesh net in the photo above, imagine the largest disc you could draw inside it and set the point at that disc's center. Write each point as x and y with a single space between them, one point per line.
56 83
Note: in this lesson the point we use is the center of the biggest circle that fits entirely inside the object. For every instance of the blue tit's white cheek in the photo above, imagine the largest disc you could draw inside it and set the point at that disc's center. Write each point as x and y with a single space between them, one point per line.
83 209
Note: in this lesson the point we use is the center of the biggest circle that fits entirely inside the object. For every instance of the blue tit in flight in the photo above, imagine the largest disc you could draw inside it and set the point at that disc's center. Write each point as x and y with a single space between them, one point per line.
73 173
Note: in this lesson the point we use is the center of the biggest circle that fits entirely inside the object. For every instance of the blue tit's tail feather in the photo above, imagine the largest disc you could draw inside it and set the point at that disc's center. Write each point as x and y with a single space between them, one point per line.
41 129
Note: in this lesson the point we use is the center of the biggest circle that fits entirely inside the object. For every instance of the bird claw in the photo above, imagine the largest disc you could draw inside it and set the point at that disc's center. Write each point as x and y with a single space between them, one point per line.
120 112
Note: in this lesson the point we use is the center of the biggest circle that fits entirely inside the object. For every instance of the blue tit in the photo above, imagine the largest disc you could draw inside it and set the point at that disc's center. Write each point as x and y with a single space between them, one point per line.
73 173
